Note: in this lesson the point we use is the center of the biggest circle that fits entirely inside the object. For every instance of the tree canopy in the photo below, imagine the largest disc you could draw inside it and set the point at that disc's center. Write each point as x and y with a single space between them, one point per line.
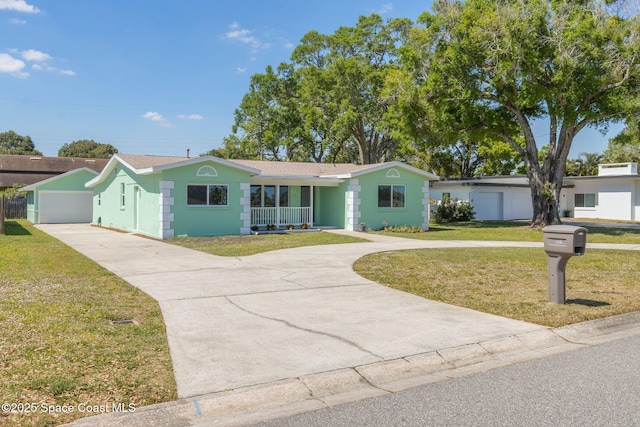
328 103
12 143
87 148
625 147
492 68
458 92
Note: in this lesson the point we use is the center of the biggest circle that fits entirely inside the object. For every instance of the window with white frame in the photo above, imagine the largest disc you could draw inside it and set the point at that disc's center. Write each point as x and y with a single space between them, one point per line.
391 196
207 195
586 200
122 194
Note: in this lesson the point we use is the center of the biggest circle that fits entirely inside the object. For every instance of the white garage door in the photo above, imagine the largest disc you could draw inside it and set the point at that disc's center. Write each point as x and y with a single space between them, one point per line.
56 207
487 205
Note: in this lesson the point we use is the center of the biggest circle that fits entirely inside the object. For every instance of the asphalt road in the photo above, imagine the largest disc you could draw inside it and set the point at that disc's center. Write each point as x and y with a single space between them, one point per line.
593 386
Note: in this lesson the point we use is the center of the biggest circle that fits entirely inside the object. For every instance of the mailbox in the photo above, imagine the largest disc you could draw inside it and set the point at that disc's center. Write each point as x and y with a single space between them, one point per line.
565 240
561 242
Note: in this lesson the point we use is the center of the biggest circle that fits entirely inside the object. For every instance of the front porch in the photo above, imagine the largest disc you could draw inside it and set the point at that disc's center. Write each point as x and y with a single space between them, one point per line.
281 217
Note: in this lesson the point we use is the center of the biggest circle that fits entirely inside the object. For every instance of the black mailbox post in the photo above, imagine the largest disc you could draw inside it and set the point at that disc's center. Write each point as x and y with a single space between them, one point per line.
561 242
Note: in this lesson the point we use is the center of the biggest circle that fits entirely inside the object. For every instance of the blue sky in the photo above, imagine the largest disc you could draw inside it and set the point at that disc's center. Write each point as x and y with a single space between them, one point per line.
158 77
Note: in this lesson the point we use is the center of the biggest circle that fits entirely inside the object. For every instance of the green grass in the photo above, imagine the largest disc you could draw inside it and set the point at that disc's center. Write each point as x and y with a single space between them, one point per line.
253 244
512 282
513 231
57 344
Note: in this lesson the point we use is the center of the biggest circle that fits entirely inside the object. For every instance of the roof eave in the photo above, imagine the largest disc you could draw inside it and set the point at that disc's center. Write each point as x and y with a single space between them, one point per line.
297 179
32 187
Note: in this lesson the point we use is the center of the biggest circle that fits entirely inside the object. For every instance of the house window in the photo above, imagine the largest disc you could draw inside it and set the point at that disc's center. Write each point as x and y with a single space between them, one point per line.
122 198
269 193
305 196
284 196
391 196
99 199
208 195
446 196
587 200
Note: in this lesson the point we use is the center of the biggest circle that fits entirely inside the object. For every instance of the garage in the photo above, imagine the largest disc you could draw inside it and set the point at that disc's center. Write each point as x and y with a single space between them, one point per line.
57 207
487 205
62 199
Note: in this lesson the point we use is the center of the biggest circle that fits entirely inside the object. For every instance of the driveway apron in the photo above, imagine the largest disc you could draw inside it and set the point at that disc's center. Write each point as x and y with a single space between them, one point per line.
235 322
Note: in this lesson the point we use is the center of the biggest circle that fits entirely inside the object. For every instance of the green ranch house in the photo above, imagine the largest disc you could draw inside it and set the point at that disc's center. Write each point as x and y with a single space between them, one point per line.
164 197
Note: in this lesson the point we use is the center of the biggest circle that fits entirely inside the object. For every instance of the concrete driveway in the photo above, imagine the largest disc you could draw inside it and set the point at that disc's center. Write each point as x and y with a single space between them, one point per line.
235 322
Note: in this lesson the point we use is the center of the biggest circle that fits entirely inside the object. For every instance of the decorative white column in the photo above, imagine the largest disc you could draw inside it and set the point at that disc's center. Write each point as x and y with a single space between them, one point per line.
425 206
353 205
245 207
166 216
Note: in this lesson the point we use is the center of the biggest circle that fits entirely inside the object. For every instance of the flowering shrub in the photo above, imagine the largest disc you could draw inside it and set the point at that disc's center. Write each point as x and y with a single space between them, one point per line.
453 210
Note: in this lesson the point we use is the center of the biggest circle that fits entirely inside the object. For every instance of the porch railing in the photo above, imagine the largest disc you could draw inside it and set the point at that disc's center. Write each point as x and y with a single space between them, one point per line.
280 216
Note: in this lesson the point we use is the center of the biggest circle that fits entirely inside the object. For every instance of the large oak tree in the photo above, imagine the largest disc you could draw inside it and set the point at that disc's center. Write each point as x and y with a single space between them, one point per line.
496 67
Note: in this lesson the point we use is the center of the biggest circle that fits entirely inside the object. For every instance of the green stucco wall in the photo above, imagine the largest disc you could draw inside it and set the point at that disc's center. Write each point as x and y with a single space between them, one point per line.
206 220
138 214
329 206
142 214
373 216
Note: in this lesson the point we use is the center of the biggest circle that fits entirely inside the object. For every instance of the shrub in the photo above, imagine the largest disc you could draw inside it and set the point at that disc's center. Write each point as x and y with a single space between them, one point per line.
453 210
403 228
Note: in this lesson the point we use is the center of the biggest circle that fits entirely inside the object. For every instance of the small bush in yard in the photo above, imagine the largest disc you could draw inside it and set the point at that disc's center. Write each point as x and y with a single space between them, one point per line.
453 210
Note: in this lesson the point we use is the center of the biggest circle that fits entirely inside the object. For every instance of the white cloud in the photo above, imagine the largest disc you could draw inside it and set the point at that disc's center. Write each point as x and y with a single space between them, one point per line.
13 66
16 21
35 55
156 117
18 6
245 36
241 70
49 69
40 60
385 8
190 116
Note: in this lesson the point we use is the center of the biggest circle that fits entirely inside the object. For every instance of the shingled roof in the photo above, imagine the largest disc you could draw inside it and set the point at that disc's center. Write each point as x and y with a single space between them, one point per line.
26 170
266 167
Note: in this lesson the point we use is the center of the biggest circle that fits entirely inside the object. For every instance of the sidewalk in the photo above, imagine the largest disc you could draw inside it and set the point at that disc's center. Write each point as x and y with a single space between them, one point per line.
292 330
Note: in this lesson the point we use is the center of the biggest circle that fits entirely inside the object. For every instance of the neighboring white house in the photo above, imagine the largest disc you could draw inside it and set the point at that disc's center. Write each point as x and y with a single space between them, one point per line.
613 194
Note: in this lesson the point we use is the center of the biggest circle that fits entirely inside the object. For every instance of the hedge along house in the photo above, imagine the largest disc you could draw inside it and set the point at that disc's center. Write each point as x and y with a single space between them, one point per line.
61 199
171 196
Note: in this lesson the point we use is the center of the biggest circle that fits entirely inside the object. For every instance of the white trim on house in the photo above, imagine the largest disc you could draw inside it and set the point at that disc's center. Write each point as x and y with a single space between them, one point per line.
425 206
245 202
380 166
353 205
166 216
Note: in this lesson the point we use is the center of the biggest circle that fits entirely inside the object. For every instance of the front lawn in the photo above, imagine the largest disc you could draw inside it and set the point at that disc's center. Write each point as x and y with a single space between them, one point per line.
59 349
512 282
254 244
513 231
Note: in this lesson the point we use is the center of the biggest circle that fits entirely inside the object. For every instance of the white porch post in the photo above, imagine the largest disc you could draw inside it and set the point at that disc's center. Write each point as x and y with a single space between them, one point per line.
277 205
311 191
353 205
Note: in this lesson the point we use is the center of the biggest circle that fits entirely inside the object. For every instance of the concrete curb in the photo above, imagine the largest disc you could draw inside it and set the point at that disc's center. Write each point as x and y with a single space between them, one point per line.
292 396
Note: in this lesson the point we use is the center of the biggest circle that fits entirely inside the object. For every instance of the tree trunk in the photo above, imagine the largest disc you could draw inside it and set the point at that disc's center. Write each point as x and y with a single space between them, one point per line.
544 198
